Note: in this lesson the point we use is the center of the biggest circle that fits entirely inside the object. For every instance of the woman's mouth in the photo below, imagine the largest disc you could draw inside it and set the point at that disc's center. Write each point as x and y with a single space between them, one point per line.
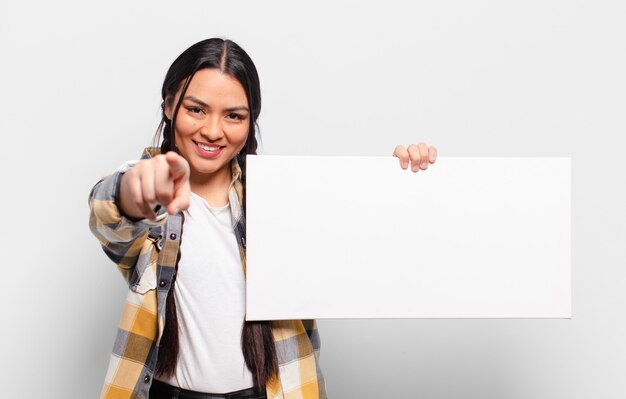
208 150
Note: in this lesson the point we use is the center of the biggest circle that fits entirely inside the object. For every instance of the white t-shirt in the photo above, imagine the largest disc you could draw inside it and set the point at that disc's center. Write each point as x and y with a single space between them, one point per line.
210 303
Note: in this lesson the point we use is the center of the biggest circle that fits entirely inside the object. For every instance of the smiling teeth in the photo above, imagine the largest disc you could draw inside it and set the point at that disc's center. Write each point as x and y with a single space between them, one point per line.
207 148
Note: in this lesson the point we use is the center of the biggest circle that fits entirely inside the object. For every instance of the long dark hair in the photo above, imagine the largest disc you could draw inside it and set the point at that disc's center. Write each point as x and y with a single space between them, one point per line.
257 342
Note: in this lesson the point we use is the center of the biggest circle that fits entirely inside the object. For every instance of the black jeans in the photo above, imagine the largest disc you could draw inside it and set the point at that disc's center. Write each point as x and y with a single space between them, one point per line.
161 390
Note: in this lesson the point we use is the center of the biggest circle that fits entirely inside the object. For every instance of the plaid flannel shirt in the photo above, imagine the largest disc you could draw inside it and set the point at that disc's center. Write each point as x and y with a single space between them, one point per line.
146 253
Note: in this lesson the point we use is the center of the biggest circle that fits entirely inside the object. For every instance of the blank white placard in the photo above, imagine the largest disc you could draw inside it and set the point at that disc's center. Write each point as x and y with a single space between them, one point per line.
359 237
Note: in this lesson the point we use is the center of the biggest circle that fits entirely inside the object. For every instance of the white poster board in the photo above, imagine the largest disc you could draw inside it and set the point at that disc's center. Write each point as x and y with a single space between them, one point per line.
359 237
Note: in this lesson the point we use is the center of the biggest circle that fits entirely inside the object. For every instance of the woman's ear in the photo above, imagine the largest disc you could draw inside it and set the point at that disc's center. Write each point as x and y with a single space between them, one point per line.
167 108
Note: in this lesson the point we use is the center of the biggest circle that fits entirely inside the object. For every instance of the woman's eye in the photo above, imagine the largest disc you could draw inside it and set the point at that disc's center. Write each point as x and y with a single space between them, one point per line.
195 110
236 116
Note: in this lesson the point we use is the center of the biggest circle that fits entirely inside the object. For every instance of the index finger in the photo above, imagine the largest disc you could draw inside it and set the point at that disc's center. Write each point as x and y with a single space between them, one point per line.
403 155
178 165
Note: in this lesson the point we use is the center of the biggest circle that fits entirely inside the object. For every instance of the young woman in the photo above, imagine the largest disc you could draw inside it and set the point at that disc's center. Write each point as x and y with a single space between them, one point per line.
182 332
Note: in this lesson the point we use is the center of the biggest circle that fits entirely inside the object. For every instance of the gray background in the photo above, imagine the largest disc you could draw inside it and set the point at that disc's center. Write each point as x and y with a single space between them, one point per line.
80 86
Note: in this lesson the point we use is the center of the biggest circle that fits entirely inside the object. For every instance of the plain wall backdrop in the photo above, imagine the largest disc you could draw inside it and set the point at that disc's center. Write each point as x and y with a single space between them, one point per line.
80 84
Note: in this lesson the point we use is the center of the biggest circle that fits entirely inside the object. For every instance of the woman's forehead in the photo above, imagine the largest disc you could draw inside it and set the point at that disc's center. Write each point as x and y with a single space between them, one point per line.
212 84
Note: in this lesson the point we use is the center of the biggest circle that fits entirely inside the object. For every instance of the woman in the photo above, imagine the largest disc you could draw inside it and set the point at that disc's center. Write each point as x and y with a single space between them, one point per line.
182 333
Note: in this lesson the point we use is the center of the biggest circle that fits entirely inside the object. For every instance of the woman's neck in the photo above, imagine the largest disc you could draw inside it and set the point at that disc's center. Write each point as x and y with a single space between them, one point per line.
212 187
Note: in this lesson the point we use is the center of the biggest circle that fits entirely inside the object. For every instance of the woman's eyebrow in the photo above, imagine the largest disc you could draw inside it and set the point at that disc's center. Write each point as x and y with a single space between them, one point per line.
239 108
197 101
203 104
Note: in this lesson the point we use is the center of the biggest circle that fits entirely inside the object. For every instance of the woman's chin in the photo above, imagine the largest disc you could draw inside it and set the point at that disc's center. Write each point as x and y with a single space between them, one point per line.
203 169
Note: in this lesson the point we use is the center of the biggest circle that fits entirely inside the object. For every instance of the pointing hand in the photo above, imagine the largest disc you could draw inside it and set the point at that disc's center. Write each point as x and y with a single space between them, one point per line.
161 180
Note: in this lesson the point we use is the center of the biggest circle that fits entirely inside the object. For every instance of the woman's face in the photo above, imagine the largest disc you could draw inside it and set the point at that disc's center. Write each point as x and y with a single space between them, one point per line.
212 122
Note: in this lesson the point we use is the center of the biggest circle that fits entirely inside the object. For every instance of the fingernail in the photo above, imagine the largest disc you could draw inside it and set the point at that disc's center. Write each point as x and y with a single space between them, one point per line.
423 165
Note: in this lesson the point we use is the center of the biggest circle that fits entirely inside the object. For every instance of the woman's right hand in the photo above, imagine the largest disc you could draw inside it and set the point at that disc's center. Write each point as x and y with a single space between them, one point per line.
161 180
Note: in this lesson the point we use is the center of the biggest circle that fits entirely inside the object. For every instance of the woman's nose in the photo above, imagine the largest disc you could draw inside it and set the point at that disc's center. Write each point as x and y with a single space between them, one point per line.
213 129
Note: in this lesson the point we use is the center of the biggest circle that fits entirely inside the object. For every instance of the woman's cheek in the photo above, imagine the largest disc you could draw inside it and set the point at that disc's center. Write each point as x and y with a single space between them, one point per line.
243 138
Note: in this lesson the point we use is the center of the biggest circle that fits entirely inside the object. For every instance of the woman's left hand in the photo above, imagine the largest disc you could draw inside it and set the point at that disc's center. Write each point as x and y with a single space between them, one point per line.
419 154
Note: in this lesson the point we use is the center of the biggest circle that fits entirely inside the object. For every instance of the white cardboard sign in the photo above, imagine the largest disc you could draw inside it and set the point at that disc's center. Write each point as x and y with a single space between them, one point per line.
359 237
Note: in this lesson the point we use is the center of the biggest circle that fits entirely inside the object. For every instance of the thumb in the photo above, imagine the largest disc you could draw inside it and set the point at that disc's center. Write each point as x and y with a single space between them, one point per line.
181 199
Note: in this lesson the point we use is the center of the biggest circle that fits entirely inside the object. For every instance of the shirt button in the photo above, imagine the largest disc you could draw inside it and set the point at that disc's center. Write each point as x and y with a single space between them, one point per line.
173 236
146 379
162 283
